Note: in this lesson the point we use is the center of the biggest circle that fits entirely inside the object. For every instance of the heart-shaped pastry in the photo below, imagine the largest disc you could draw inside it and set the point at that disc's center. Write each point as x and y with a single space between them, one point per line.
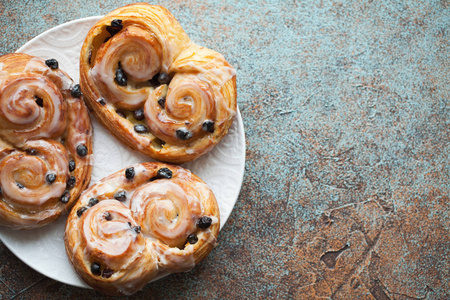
45 141
153 88
138 223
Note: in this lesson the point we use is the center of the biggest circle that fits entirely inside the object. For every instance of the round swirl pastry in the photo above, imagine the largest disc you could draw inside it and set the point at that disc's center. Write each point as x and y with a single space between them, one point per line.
147 220
45 141
153 88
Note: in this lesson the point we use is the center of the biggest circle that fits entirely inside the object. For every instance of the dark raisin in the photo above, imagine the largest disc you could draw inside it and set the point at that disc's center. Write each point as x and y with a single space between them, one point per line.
208 126
164 173
92 202
39 101
139 115
121 196
72 165
121 114
82 150
116 23
50 178
1 191
71 182
107 272
137 229
162 102
81 210
76 91
19 185
140 128
107 39
163 78
31 152
52 63
65 197
129 173
102 101
204 222
158 143
90 56
154 81
107 216
116 26
111 31
192 239
121 77
183 134
95 268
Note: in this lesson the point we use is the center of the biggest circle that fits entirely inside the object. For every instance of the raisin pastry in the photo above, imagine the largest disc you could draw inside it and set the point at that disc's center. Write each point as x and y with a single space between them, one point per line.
144 221
45 141
153 88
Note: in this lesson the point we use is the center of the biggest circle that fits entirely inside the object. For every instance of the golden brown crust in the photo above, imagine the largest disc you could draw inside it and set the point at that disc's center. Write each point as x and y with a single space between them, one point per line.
149 42
144 234
41 126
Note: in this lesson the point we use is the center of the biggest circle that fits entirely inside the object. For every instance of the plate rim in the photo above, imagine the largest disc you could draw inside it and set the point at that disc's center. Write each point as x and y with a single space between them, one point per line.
56 28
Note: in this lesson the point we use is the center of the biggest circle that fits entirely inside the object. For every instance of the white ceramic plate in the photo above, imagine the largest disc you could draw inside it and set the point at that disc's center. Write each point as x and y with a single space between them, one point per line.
222 169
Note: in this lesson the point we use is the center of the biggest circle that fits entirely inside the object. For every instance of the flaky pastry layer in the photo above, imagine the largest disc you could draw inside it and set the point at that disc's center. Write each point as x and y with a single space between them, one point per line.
45 141
138 223
153 88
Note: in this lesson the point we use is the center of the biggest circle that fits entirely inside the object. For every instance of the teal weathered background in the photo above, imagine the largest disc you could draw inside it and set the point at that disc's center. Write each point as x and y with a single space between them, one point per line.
347 116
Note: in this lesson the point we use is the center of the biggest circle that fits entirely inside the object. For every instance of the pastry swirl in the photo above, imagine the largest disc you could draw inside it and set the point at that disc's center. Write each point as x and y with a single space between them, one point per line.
133 225
42 123
154 89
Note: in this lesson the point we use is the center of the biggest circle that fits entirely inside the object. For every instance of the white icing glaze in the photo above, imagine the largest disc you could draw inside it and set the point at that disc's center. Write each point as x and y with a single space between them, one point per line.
216 75
188 104
115 239
195 94
166 210
139 60
36 65
182 258
18 105
89 159
34 116
215 220
30 171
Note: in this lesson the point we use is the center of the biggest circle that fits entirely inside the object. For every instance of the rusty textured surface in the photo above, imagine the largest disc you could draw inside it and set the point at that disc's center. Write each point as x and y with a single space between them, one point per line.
347 116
